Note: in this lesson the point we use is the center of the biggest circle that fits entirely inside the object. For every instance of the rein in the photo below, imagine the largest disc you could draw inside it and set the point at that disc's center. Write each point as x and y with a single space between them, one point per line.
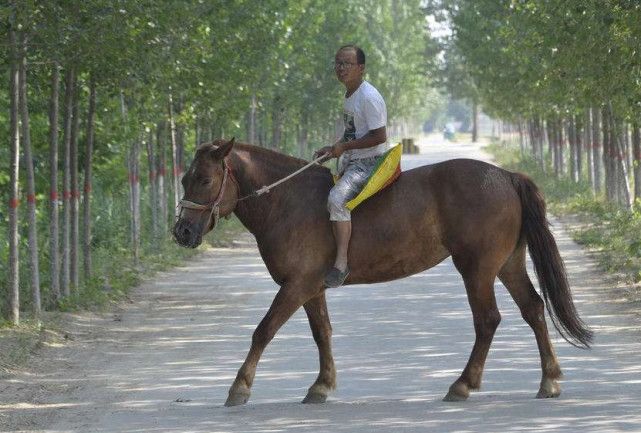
215 205
267 188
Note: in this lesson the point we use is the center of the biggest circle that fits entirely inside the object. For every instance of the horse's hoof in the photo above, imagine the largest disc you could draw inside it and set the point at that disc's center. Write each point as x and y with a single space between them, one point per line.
237 398
314 398
317 393
549 389
458 392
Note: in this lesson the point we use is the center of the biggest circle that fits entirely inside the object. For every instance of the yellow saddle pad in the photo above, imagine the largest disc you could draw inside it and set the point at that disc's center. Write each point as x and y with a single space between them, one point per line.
385 173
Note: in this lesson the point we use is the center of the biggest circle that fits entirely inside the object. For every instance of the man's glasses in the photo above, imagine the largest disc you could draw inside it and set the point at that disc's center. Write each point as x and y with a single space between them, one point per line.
343 65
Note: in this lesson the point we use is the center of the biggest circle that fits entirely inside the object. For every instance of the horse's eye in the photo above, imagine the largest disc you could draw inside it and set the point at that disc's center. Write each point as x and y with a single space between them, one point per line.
205 181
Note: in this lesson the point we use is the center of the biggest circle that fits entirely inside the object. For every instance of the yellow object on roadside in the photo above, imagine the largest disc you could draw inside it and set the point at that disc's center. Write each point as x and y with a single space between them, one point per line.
386 172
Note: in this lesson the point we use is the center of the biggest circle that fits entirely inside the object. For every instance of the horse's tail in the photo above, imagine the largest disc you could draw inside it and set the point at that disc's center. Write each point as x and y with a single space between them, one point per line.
548 264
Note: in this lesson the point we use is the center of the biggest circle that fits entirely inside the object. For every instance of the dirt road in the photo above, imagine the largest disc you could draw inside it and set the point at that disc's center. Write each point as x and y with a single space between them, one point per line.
164 362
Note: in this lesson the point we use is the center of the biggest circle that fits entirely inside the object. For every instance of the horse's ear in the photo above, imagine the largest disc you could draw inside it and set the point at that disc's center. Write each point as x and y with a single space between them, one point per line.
223 150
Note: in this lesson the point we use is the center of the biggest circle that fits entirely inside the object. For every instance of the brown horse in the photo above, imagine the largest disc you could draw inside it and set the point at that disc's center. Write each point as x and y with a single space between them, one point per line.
481 215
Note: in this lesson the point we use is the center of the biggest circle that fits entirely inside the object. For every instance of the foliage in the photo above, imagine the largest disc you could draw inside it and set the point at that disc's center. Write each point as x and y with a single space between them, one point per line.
213 56
527 57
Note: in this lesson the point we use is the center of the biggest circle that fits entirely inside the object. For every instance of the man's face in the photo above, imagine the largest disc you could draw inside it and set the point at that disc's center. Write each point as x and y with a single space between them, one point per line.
347 68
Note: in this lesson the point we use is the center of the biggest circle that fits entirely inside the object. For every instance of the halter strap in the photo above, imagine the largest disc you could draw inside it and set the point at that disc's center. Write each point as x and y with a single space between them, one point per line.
215 205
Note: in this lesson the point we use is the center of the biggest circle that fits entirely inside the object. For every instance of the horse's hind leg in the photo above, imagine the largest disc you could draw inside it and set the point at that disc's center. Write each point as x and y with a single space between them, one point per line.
316 309
288 299
479 284
515 278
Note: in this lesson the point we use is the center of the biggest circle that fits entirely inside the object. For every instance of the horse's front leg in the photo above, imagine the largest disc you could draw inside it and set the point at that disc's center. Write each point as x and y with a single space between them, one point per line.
288 299
316 309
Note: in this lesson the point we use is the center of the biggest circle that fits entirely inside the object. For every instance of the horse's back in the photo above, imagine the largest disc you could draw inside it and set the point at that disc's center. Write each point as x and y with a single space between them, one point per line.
431 212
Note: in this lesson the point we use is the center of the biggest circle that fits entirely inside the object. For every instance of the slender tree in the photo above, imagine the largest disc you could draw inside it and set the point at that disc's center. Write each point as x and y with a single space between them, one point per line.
87 265
134 190
636 146
31 186
54 225
14 135
161 160
596 149
153 186
74 249
66 188
174 152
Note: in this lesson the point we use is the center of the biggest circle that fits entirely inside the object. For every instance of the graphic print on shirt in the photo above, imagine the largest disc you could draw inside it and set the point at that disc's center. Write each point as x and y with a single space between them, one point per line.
350 127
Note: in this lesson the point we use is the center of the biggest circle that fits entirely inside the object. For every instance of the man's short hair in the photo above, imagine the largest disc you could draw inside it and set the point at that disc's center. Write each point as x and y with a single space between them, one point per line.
360 54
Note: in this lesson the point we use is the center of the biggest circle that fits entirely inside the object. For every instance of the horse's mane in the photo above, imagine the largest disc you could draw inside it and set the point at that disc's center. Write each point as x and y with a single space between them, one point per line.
276 159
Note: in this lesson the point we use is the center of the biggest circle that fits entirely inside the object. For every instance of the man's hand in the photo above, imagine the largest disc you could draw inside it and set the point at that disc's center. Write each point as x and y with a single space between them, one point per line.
331 151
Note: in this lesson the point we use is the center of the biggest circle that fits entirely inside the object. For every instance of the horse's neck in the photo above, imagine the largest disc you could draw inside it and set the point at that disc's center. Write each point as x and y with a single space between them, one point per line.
253 169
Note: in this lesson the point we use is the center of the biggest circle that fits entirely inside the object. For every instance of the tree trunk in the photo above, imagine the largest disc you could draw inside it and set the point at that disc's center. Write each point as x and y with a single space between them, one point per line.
153 194
303 136
14 167
521 138
161 160
87 265
180 138
174 153
75 195
578 130
540 136
31 188
277 123
134 183
252 120
636 155
54 259
596 149
587 139
572 138
475 121
66 202
561 145
549 131
607 155
623 171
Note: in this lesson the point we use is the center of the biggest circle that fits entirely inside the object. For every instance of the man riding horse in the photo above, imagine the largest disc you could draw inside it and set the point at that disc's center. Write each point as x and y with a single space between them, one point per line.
484 217
362 143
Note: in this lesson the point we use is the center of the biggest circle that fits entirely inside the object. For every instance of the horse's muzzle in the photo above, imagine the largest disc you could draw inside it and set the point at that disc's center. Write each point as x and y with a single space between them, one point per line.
187 234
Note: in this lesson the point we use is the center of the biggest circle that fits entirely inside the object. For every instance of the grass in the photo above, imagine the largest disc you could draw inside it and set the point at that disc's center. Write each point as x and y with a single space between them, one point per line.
612 233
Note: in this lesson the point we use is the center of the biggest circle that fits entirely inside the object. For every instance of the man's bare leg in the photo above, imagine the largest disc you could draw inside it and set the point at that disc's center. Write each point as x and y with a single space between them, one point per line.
342 234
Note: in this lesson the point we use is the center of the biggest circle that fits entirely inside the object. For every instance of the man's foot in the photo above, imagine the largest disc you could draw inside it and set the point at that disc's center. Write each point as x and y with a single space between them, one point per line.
336 278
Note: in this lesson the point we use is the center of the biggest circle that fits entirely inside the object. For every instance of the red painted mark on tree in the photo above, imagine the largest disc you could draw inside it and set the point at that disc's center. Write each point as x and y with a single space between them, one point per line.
53 195
87 188
162 171
176 171
14 203
31 199
66 195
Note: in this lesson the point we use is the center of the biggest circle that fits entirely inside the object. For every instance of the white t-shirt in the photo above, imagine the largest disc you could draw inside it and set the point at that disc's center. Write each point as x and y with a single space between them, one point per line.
364 111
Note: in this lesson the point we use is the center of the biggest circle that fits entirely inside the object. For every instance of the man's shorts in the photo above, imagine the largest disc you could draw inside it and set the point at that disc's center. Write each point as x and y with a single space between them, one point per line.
349 186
